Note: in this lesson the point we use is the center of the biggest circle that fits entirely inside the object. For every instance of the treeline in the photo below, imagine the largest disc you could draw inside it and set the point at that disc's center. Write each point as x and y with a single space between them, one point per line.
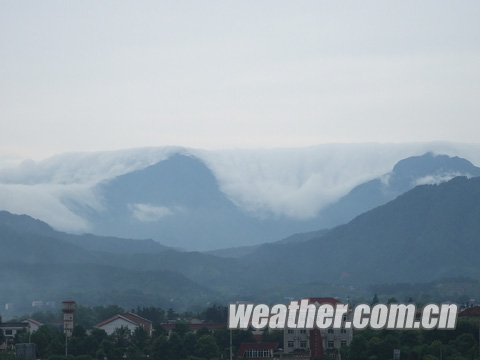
458 344
181 344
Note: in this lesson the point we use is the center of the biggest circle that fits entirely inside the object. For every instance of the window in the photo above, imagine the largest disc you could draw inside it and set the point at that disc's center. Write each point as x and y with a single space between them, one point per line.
343 343
343 331
331 344
303 331
290 344
9 332
330 331
290 331
303 344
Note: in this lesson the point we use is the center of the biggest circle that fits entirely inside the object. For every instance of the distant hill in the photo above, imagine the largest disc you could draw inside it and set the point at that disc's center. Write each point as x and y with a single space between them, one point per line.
238 252
26 225
406 174
37 262
430 232
179 202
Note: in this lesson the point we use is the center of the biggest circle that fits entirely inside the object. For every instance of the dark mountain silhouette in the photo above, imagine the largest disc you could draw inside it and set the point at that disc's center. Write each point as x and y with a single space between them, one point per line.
37 262
178 202
430 232
406 174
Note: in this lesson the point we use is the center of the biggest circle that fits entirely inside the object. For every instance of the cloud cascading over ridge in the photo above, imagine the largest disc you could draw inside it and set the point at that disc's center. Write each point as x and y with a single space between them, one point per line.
295 183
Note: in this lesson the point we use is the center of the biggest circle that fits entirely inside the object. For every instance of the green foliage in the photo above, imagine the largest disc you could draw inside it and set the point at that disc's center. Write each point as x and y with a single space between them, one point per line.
140 339
455 344
160 349
181 329
202 331
215 314
190 343
207 347
158 330
2 336
154 314
175 347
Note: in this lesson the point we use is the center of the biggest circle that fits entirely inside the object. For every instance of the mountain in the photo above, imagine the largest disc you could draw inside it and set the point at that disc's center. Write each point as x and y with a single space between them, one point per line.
430 232
39 263
240 251
25 225
179 202
406 174
203 200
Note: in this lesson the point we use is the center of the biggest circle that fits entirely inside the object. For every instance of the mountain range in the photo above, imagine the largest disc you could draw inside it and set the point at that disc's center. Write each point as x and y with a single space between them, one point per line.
208 200
427 233
178 201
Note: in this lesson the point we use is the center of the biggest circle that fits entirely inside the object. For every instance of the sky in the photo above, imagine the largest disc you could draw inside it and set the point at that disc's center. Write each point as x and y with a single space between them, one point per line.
92 76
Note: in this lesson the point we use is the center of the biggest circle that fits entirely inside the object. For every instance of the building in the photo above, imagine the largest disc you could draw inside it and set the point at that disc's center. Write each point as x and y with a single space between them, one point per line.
33 325
10 329
128 320
316 342
471 314
256 350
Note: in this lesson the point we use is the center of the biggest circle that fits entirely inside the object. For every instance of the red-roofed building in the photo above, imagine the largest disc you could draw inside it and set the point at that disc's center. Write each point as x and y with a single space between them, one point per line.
256 350
33 325
128 320
472 313
315 342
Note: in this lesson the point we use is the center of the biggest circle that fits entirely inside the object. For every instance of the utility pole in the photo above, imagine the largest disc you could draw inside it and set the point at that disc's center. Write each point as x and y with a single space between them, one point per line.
231 354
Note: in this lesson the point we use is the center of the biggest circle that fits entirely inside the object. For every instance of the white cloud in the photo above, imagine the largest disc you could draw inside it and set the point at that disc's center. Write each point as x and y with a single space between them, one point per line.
300 182
46 202
295 182
149 213
436 178
84 168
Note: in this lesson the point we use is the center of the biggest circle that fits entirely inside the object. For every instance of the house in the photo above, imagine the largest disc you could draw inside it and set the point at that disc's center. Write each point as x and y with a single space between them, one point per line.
256 350
10 329
316 342
33 325
128 320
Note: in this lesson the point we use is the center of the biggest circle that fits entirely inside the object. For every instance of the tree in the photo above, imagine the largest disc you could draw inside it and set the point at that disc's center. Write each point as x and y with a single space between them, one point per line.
222 338
181 329
106 350
171 314
203 331
55 347
189 343
160 348
140 338
121 337
175 347
207 347
2 336
158 330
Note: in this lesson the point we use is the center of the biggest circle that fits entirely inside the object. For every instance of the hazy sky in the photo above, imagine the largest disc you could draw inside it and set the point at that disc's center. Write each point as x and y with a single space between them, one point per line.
102 75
